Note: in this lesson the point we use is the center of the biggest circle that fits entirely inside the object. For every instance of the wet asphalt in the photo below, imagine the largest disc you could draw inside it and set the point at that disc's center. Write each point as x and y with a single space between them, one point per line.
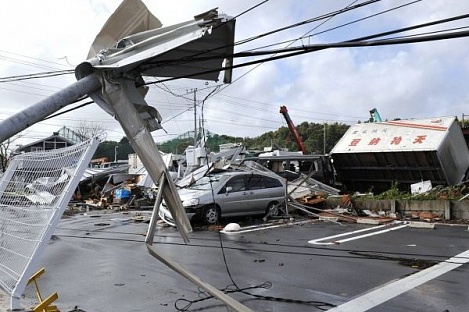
97 261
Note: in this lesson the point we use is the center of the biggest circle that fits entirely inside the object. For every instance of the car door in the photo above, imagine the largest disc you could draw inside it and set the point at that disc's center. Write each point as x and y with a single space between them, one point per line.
262 191
233 197
258 196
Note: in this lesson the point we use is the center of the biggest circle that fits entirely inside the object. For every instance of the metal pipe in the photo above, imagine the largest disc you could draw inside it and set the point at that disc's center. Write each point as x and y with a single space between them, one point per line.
36 113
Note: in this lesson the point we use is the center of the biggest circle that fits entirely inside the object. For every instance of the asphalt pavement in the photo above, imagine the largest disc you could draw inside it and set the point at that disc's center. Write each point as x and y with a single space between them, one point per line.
97 261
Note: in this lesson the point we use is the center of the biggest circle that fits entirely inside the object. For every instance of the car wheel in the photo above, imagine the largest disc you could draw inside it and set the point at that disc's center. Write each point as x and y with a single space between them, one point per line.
272 209
210 214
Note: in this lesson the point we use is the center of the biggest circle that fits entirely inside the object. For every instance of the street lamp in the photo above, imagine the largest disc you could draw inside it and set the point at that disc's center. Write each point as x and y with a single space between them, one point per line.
115 153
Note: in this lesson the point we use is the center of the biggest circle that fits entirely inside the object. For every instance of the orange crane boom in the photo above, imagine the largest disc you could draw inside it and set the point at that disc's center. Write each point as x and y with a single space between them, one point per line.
291 126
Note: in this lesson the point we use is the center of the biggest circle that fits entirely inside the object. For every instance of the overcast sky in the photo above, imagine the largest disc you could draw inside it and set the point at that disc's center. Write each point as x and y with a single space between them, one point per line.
420 80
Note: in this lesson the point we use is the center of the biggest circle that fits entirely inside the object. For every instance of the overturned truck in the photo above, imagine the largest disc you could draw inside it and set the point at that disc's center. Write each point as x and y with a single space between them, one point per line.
374 156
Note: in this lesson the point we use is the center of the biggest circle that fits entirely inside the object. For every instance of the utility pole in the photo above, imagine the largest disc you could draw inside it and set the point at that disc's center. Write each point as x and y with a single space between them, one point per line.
34 114
195 116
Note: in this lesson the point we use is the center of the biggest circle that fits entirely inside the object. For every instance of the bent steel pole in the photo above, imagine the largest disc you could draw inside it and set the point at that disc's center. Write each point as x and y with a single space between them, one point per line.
232 304
36 113
127 104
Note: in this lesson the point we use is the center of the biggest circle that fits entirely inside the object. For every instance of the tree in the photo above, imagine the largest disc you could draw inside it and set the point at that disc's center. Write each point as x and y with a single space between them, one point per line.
5 151
89 129
124 149
106 149
114 149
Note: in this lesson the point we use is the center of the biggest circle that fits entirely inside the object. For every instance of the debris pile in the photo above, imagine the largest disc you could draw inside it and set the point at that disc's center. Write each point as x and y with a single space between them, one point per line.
119 191
425 216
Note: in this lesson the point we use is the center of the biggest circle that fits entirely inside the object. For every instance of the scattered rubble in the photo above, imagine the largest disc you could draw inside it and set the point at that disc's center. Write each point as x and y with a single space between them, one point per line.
120 190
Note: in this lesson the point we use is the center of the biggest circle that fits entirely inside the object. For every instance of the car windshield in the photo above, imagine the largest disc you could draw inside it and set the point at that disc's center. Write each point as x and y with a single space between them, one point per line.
207 183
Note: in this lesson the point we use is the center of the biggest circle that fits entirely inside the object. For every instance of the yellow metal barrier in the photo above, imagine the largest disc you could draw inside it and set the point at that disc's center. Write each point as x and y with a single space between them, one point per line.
44 304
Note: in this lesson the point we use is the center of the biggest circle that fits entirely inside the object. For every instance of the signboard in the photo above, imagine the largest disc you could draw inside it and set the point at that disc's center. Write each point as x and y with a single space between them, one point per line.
374 156
400 135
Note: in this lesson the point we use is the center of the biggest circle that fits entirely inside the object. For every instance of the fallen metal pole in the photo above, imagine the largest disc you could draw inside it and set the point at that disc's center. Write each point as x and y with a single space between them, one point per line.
232 304
36 113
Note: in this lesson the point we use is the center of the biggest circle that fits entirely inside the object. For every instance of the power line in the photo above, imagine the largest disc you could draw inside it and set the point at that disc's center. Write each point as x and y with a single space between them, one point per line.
362 19
32 58
252 69
295 51
251 8
274 52
302 110
32 87
308 21
37 75
197 56
291 41
69 110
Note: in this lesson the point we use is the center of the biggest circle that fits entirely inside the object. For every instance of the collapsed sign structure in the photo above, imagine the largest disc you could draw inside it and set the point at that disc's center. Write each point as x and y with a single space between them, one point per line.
372 156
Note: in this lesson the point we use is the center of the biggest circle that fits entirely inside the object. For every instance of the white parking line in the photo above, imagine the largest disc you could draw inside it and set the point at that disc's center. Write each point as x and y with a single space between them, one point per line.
389 291
319 241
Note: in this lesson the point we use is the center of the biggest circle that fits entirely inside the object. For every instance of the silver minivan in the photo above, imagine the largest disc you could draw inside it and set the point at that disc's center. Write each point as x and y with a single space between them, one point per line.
230 194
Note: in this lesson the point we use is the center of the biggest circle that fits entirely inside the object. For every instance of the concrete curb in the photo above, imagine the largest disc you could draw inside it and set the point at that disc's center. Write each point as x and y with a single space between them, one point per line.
421 225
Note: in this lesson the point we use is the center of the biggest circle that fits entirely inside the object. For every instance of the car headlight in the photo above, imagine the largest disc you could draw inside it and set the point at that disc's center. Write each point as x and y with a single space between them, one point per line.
190 202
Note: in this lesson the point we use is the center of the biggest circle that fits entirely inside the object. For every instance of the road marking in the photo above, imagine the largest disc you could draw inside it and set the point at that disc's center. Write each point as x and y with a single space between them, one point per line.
394 289
319 240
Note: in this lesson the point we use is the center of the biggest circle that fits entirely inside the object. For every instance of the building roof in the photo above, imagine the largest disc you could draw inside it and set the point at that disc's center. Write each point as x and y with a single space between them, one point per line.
54 135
